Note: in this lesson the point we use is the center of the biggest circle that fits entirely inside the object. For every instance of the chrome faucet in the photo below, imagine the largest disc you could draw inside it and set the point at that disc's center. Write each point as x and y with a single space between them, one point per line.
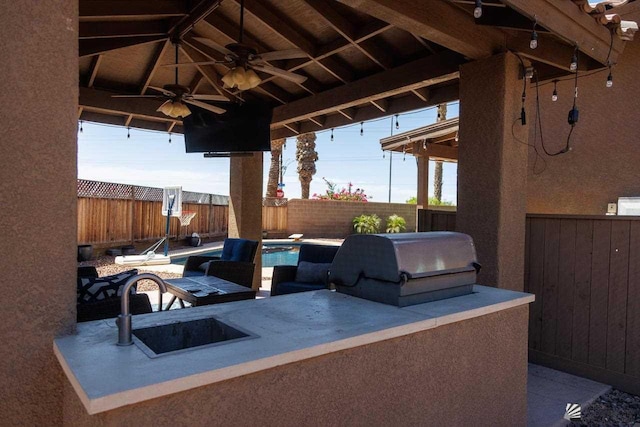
124 319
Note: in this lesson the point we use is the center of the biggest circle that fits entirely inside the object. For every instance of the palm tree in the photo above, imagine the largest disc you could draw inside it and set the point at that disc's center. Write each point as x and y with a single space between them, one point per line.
437 172
306 156
274 169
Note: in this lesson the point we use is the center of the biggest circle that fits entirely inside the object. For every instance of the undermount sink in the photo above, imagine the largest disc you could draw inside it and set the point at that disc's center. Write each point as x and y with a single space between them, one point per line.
177 336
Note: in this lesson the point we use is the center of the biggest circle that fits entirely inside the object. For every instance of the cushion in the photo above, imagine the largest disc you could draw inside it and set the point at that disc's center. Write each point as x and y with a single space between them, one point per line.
91 289
312 272
237 250
203 267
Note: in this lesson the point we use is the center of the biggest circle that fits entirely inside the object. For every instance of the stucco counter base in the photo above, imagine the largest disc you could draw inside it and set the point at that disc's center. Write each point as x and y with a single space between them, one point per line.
291 330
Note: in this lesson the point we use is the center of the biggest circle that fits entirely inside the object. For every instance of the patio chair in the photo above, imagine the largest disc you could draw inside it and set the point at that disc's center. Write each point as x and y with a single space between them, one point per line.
233 251
99 297
311 273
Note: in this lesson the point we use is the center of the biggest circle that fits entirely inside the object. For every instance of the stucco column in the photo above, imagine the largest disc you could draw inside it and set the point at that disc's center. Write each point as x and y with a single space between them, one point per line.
245 203
423 182
492 168
38 149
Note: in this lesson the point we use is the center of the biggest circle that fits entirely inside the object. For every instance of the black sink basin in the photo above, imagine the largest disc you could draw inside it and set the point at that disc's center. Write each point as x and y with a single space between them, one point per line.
162 339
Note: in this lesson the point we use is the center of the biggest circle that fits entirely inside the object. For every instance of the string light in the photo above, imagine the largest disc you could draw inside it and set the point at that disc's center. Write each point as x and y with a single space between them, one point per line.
128 132
457 138
477 12
332 134
169 137
574 60
610 78
397 124
404 153
383 154
554 96
534 36
80 126
361 128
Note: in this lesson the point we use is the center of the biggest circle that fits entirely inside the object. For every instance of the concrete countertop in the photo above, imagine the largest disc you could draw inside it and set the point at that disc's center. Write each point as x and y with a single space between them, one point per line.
290 328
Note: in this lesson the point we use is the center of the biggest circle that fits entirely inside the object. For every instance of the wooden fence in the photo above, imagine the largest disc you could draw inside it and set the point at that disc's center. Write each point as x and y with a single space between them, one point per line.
112 214
585 273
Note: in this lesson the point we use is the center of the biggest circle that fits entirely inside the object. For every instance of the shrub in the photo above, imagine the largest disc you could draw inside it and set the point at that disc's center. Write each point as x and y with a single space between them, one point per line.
366 224
332 193
432 201
396 224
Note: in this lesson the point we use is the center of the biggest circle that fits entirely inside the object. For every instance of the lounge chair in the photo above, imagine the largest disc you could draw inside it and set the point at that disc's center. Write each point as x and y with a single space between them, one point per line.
235 264
311 273
99 297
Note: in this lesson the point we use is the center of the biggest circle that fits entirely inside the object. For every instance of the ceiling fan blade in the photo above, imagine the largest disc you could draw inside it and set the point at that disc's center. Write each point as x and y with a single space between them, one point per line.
214 45
137 96
206 106
163 90
282 54
186 64
204 97
296 78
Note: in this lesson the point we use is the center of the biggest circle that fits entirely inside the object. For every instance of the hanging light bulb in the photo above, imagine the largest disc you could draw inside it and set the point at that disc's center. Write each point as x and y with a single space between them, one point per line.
361 128
477 12
424 145
397 124
383 154
554 96
534 38
610 79
457 138
169 137
331 134
128 132
574 61
81 126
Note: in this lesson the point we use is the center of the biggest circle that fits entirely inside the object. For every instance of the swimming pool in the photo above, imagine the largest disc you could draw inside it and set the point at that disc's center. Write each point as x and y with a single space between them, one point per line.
272 254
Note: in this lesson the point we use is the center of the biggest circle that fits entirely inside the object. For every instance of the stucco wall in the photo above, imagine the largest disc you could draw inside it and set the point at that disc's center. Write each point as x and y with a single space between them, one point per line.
334 219
605 157
467 373
38 125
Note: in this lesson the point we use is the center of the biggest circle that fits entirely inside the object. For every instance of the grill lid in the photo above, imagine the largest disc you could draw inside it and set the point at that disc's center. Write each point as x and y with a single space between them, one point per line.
387 257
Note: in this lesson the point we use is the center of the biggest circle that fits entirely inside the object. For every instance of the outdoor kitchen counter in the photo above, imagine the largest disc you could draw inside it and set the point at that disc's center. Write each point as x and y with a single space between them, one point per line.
290 328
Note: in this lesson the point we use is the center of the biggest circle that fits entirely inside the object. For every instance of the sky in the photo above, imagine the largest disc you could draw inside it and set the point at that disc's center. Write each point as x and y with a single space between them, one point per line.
147 158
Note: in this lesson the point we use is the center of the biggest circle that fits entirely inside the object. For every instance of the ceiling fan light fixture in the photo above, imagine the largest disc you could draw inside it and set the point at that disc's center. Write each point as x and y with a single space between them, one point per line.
252 78
241 78
174 109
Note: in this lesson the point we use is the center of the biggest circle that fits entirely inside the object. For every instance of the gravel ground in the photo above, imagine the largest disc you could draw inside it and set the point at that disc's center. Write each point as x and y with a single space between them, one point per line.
106 267
615 408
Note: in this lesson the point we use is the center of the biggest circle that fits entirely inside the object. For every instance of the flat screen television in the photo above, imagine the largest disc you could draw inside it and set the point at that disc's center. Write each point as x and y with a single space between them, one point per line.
243 128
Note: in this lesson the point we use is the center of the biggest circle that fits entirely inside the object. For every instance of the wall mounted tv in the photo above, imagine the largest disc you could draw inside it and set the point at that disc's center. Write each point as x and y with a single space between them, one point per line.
243 128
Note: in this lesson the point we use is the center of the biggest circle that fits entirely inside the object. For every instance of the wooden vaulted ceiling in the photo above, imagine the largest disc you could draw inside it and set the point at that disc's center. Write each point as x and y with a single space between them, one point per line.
366 58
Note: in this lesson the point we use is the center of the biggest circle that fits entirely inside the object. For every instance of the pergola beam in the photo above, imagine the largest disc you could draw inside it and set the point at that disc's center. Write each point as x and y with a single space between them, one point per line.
153 66
437 21
566 20
108 9
90 47
417 74
103 102
398 105
98 30
201 11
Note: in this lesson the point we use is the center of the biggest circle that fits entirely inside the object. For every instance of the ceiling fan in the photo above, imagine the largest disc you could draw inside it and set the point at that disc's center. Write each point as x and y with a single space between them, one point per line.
177 95
244 59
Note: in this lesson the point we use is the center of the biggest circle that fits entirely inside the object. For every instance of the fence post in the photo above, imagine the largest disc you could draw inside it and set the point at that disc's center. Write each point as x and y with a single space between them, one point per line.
210 214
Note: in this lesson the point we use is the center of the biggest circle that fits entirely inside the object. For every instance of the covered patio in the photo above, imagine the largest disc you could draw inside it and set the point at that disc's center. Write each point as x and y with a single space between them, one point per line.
356 60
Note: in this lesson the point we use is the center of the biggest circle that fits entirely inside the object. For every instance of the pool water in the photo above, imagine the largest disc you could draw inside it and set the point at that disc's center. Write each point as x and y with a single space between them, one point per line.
272 254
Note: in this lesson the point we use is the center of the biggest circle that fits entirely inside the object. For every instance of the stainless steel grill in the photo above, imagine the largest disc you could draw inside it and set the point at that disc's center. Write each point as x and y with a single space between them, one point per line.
407 268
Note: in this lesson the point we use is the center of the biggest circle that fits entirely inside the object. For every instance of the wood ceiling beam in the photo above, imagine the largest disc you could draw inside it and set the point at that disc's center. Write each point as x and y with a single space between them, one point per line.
347 29
566 20
423 72
549 51
186 24
435 151
98 30
153 65
286 30
106 9
93 71
90 47
437 21
195 82
208 71
396 106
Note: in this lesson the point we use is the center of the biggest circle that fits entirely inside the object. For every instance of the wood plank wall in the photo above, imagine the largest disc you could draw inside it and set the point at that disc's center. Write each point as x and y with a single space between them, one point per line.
119 221
585 273
274 218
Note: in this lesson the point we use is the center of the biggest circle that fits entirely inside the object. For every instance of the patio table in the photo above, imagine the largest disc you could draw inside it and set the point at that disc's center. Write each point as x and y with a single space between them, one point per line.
204 290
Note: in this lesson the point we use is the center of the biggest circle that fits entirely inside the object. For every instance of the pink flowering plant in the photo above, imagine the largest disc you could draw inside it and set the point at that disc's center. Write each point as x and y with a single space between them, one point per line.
345 194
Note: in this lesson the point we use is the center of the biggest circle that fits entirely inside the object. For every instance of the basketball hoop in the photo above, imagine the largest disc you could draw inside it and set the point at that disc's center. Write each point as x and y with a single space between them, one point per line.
186 217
